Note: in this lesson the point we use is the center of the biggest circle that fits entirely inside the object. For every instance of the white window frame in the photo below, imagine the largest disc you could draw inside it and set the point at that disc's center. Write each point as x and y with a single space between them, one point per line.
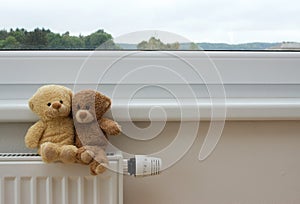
259 85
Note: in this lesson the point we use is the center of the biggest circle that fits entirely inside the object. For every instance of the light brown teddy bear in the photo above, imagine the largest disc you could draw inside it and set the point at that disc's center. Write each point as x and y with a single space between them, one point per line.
92 129
53 134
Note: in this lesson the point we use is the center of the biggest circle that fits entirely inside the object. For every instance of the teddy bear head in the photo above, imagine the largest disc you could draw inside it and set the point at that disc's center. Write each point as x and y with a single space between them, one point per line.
51 101
89 106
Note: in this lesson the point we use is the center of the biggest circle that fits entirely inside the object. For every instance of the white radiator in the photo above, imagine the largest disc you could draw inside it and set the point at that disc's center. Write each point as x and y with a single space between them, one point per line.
25 179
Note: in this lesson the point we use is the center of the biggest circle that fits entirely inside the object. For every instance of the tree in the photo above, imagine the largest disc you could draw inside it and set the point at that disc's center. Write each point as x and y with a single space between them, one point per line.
3 34
54 41
45 39
173 46
10 43
36 39
193 46
109 45
96 39
1 44
19 35
72 42
142 45
156 44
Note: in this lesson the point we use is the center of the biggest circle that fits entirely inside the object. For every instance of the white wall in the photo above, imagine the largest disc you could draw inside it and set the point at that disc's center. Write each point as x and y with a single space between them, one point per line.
254 162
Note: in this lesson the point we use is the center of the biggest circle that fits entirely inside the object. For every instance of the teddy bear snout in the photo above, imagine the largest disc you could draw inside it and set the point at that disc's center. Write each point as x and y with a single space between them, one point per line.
56 105
82 115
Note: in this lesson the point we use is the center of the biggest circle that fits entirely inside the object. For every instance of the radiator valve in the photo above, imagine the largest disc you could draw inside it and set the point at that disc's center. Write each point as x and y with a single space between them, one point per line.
142 165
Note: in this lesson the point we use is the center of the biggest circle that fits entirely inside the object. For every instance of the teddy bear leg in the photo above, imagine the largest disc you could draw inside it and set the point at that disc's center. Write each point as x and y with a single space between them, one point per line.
100 163
49 152
85 155
68 153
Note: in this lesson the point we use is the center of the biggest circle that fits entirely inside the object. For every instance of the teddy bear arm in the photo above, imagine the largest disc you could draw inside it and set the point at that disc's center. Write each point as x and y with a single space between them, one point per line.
110 127
34 134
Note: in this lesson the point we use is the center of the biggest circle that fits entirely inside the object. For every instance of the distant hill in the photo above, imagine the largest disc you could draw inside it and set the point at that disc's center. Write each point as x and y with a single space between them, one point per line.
244 46
215 46
286 46
127 46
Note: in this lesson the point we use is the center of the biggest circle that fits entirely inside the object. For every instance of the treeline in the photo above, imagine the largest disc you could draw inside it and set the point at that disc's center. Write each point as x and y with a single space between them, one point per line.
156 44
46 39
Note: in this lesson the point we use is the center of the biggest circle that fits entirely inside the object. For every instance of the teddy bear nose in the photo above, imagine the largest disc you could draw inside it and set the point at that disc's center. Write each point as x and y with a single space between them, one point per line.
56 105
82 115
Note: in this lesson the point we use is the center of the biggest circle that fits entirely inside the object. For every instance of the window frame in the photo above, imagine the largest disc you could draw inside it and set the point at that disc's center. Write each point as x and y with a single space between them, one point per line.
261 85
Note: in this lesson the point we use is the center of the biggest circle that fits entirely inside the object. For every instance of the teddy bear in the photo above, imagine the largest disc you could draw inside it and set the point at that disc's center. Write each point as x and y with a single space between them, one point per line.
53 134
88 107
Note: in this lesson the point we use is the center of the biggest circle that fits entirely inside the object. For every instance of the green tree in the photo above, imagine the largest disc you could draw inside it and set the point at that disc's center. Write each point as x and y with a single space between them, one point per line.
19 35
1 44
10 43
157 44
193 46
3 34
72 42
142 45
109 45
96 39
36 39
54 41
173 46
45 39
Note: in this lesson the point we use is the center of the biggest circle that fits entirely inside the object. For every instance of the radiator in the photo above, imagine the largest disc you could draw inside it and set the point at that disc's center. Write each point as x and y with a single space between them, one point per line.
25 179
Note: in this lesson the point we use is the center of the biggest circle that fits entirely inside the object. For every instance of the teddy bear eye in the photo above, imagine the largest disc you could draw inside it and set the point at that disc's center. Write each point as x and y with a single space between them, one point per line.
61 101
87 107
78 106
48 104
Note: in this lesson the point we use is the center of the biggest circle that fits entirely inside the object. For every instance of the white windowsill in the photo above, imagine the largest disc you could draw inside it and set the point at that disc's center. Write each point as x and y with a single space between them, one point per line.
259 85
237 109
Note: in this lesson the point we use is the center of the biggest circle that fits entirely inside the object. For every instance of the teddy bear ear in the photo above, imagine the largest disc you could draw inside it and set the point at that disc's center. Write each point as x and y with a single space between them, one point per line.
102 103
69 91
30 104
106 101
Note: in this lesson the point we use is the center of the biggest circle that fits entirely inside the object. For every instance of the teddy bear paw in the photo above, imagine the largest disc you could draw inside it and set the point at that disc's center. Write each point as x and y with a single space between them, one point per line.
98 168
49 152
87 156
101 168
114 129
68 154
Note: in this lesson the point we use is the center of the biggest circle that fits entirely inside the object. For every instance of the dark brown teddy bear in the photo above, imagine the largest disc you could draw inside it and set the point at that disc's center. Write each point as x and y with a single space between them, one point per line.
88 107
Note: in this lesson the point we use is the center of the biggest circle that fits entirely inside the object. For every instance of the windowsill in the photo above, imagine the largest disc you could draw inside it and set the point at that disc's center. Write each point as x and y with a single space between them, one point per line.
258 85
140 109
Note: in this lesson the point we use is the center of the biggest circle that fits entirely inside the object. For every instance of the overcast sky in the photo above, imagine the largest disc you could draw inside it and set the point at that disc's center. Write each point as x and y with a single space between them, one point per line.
231 21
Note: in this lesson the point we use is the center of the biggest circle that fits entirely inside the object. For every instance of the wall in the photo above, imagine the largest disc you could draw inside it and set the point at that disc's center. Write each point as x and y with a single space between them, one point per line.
254 162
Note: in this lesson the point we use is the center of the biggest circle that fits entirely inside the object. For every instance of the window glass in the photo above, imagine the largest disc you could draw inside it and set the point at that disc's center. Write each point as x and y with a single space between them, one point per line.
102 24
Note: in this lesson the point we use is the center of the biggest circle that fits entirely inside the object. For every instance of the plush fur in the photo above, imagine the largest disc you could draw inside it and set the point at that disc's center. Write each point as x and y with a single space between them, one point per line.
92 129
53 134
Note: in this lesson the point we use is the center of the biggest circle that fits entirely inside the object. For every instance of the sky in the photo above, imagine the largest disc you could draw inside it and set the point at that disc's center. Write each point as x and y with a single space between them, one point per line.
228 21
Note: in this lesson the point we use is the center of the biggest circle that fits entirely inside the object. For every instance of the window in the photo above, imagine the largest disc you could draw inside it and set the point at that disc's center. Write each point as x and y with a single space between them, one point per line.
205 25
171 95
